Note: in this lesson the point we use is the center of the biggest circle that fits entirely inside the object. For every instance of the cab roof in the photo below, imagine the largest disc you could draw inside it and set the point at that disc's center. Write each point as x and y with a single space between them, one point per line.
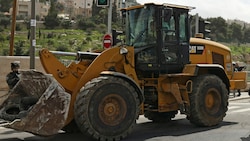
165 4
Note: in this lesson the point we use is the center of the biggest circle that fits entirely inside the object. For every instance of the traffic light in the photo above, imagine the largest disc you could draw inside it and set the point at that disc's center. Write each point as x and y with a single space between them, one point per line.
102 3
203 28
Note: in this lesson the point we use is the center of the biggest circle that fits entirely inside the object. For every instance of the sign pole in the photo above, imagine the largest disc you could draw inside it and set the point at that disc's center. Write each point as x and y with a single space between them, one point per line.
32 34
110 16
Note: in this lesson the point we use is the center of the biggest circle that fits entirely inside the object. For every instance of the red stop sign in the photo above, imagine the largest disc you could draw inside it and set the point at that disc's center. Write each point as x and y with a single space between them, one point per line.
107 41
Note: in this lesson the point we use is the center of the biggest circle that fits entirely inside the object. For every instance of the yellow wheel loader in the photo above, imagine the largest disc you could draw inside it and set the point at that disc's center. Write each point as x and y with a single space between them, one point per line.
157 72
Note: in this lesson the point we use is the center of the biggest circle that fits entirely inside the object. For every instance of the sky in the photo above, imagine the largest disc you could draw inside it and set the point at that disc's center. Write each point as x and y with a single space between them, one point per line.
227 9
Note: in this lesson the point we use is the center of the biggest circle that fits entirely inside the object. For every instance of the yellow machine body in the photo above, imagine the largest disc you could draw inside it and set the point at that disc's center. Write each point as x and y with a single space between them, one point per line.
102 94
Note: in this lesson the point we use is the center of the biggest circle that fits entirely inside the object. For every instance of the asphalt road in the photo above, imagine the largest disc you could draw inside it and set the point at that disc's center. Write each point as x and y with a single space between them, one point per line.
235 127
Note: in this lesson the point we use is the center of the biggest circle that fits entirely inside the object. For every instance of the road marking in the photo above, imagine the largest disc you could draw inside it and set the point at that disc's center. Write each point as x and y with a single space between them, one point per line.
236 103
241 110
233 107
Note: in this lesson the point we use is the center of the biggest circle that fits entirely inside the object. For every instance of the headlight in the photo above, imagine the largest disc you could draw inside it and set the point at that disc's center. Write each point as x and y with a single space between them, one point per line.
123 50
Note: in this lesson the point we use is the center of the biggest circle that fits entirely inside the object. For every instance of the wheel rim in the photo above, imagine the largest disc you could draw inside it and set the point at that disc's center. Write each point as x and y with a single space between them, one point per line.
212 101
112 109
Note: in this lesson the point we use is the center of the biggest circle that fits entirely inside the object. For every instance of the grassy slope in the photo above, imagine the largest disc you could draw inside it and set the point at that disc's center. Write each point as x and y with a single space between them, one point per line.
73 40
60 39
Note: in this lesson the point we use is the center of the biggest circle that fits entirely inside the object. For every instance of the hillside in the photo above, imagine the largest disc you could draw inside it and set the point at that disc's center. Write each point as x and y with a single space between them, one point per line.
240 22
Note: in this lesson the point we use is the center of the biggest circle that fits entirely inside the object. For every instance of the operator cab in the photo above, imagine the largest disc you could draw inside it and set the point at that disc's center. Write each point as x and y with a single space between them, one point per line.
160 36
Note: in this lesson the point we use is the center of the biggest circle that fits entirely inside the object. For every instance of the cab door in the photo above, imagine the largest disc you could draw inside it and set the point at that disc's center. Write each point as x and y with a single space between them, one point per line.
174 53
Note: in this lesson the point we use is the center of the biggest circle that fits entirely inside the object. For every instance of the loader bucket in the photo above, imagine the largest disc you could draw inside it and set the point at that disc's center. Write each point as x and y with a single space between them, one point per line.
37 104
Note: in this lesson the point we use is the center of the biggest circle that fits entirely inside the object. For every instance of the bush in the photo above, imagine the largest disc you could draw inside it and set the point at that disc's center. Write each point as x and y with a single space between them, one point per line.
66 24
102 28
72 42
8 37
50 42
50 35
84 42
18 27
19 48
5 52
1 29
2 39
62 48
86 24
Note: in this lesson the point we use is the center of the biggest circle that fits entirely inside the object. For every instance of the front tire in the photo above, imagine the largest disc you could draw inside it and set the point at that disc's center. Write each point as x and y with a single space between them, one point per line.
107 108
208 101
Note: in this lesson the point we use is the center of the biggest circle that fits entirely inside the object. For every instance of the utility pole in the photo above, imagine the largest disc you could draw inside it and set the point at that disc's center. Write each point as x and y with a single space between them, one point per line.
110 16
32 34
13 28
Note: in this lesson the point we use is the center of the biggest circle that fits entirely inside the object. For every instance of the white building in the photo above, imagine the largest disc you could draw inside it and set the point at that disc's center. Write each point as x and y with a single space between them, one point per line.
24 8
71 7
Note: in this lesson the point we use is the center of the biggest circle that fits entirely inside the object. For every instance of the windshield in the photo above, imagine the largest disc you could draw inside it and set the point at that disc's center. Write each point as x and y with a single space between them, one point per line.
141 27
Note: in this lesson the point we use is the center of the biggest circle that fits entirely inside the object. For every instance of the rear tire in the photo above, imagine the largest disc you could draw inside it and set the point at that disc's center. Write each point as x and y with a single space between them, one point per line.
208 101
107 108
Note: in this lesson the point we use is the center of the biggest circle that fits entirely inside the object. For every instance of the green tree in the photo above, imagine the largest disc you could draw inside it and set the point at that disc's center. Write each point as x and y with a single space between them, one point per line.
236 32
51 20
103 16
5 5
114 12
4 21
246 35
95 9
218 29
99 14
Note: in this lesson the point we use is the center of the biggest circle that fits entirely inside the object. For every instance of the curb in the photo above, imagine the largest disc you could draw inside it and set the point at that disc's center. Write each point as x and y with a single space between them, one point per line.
239 98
